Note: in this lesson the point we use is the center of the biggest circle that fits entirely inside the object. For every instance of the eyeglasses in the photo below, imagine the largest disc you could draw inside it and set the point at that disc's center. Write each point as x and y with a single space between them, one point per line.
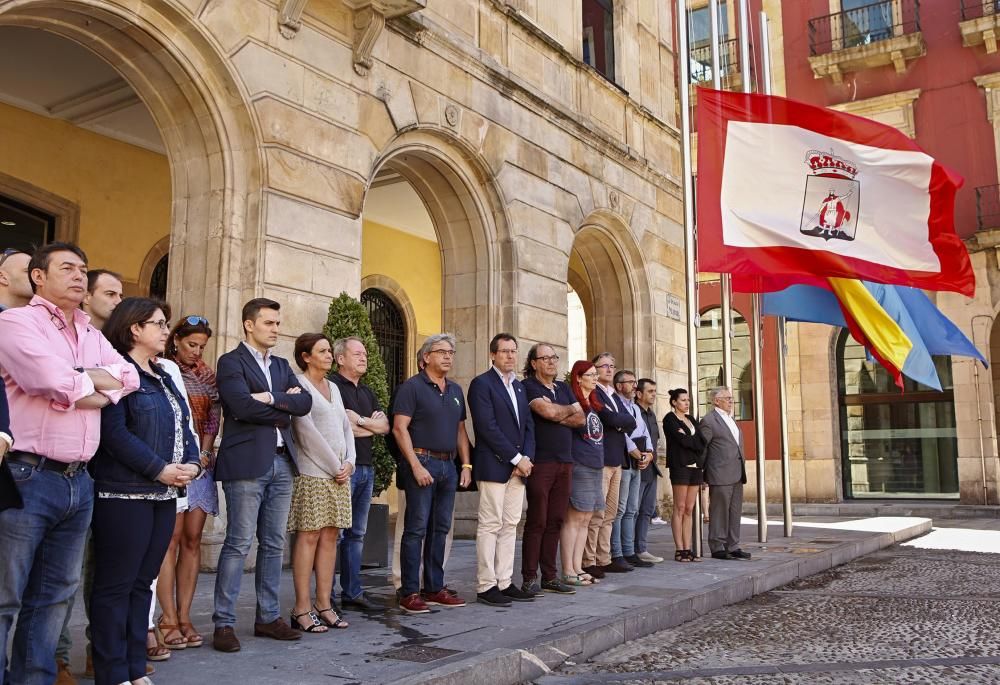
605 366
164 325
10 252
626 382
549 358
589 374
443 353
195 320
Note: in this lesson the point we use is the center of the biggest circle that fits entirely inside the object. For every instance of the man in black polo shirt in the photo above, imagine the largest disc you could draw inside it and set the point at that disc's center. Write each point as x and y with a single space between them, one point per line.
556 413
429 428
367 420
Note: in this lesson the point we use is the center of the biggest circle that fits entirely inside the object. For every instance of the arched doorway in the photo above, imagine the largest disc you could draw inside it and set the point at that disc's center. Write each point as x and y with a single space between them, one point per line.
895 445
389 328
607 272
198 111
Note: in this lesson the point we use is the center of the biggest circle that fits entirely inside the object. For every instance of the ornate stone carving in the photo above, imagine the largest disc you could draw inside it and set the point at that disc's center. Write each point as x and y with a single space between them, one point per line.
451 115
369 20
614 200
290 17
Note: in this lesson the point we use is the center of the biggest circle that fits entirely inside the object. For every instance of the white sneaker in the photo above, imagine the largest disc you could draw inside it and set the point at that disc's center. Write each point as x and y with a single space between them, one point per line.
659 522
651 558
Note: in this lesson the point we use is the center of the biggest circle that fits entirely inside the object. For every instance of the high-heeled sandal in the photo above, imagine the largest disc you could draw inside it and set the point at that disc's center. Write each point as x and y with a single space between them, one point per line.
164 629
157 652
575 580
681 555
693 557
315 625
194 638
339 624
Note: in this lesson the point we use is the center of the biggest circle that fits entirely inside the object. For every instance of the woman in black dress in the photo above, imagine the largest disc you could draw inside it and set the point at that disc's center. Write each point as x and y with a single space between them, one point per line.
685 457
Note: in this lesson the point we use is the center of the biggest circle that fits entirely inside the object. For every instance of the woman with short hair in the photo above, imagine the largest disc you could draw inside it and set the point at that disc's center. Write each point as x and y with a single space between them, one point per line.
321 499
147 456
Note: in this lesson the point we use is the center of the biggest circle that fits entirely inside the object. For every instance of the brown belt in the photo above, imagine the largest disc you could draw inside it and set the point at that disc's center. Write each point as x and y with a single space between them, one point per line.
443 456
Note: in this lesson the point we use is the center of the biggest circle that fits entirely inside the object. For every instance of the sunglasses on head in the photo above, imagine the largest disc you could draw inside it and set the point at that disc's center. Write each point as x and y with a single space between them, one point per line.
195 320
10 252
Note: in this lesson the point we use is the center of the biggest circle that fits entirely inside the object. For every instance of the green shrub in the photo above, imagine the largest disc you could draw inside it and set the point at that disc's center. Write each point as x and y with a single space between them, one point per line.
349 317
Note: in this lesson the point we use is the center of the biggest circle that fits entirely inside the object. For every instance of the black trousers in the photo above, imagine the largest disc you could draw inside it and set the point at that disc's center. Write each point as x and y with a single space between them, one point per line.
131 538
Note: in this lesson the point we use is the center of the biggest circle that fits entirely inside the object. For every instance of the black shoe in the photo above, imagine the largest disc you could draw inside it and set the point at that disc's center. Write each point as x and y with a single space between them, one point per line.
637 562
363 602
493 597
596 571
532 588
722 554
517 594
557 586
618 565
739 554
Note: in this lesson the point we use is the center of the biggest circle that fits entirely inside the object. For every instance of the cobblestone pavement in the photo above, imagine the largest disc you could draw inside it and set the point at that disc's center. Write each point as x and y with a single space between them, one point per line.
907 614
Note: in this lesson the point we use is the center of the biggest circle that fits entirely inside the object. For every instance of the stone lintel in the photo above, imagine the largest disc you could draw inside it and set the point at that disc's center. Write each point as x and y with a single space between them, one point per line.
981 31
897 51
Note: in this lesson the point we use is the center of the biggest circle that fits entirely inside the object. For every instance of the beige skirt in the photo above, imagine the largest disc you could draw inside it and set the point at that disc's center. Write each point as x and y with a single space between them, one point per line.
319 503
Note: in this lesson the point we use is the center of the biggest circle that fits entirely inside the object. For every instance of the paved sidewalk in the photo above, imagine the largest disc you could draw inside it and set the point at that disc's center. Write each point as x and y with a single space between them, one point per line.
480 644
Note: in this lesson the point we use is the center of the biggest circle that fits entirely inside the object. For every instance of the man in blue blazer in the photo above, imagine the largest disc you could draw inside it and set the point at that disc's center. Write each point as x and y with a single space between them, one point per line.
256 464
10 498
505 444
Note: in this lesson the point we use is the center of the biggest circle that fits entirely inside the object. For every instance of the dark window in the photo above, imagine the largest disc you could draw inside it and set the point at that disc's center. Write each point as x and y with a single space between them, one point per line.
599 36
158 281
390 331
895 445
710 362
23 227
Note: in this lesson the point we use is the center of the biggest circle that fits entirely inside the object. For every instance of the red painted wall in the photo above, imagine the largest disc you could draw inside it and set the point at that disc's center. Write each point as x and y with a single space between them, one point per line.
950 114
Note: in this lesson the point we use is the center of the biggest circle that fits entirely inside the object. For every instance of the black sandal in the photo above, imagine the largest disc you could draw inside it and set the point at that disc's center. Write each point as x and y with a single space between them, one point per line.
339 624
315 626
682 555
691 556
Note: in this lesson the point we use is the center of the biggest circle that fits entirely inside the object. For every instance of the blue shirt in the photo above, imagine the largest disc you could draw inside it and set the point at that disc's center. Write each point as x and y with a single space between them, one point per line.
553 441
588 442
434 415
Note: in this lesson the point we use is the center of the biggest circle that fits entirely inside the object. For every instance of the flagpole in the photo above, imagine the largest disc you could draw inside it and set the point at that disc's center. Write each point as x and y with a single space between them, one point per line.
786 479
690 265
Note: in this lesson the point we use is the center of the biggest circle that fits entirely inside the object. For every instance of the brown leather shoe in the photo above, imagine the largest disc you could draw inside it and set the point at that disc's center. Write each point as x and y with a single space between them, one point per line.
88 671
224 640
63 676
276 630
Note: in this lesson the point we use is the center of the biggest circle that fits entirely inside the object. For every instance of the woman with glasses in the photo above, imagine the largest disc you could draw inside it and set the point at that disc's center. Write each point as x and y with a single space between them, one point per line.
586 494
321 498
147 456
685 457
179 573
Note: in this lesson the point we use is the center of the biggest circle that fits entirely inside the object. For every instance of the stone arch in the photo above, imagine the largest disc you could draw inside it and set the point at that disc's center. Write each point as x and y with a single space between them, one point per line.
208 131
395 292
608 272
160 250
469 216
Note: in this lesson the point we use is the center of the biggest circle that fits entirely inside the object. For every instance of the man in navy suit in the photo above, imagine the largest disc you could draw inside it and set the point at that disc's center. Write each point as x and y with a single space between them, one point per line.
256 465
505 444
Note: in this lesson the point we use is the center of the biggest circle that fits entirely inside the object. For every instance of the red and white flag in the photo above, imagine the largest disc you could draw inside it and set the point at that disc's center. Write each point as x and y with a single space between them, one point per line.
793 193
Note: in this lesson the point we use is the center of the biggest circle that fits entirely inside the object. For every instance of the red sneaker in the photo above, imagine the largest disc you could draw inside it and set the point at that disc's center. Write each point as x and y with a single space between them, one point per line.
412 604
445 599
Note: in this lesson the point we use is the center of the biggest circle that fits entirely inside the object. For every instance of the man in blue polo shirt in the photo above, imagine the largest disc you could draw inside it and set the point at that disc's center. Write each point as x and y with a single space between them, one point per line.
556 413
429 428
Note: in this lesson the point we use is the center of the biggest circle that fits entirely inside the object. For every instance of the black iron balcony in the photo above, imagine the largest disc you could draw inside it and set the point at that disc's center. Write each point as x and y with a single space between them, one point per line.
863 25
977 9
729 61
988 207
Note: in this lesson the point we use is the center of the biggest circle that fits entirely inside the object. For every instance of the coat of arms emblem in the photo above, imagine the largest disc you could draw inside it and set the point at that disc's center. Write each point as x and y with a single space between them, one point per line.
832 197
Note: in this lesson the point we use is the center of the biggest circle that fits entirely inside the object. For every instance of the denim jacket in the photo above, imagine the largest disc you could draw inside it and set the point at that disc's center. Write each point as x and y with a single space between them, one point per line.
137 438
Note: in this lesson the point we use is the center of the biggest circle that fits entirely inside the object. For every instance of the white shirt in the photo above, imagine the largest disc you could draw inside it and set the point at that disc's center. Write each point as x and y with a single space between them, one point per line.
264 362
733 428
508 384
609 392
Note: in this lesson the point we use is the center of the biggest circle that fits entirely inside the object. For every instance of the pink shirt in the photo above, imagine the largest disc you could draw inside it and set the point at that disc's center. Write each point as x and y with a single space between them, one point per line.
37 361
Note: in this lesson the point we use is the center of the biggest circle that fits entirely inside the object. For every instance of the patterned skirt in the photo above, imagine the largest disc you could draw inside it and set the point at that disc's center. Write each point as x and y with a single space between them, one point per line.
319 503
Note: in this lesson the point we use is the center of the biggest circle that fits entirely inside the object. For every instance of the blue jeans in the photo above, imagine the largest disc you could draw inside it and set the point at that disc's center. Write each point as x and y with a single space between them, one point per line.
647 510
352 541
428 513
256 506
623 530
40 567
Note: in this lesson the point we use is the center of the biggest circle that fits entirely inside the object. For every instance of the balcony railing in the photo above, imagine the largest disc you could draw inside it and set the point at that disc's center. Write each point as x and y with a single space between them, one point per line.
988 207
863 25
977 9
729 61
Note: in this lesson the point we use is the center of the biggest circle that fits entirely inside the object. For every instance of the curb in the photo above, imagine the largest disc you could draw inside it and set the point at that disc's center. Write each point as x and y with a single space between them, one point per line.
519 665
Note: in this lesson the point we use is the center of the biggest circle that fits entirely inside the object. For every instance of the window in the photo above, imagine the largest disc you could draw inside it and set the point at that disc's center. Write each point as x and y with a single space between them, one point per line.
390 332
23 227
710 362
865 22
158 279
700 44
599 36
895 445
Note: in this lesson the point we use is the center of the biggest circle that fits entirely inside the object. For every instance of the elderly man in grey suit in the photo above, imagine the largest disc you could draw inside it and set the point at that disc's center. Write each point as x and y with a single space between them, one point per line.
725 472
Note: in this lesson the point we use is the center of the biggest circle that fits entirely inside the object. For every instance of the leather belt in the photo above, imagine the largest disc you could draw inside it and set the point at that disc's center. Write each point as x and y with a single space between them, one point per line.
281 449
45 464
443 456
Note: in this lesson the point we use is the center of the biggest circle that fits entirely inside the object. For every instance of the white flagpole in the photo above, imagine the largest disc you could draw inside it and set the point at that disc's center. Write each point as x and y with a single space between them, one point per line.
786 478
690 265
756 326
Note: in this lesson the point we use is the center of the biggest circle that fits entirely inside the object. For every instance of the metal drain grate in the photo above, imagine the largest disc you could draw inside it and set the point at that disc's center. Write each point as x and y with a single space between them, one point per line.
418 653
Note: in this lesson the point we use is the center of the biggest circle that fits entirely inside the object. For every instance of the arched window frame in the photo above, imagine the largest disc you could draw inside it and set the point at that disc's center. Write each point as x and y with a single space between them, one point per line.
389 327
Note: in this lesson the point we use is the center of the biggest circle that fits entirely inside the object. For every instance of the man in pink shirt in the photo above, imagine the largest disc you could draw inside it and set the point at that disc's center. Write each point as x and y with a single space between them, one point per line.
59 371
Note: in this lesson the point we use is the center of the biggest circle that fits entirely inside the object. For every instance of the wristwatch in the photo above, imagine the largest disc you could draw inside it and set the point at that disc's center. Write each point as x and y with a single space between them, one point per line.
362 421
